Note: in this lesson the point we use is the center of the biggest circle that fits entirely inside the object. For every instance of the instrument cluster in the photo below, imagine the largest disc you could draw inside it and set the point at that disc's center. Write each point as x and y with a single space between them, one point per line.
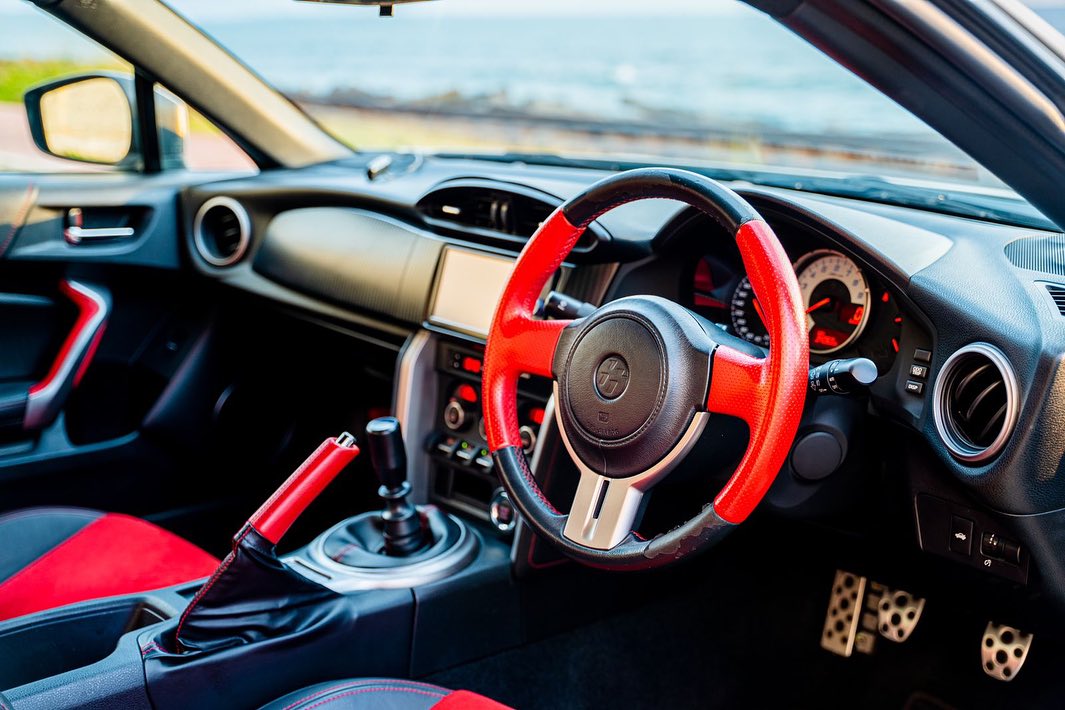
849 313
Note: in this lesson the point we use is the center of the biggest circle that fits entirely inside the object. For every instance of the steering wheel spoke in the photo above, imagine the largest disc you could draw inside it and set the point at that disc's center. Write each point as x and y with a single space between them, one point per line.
604 510
531 347
737 384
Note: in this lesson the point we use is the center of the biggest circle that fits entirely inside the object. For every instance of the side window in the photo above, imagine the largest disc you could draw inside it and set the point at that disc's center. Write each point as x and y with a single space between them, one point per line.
199 144
66 103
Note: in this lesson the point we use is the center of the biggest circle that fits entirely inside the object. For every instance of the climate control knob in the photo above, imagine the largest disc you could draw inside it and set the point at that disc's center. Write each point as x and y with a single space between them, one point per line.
454 416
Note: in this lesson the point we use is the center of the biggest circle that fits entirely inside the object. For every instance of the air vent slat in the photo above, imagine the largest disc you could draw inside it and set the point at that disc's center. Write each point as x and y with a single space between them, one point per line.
975 402
1057 294
995 421
979 399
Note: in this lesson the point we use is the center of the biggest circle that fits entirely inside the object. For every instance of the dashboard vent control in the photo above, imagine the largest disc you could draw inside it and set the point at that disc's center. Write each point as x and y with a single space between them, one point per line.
976 402
1058 294
221 231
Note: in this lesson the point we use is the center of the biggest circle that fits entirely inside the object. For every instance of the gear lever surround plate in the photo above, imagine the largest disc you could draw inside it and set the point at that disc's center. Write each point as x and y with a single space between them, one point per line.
430 565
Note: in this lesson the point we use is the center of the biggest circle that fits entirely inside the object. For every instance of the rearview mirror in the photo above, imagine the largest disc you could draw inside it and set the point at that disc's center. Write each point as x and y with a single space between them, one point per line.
385 5
92 118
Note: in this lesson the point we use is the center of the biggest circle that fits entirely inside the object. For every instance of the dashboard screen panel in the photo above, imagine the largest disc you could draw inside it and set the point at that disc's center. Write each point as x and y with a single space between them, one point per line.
468 289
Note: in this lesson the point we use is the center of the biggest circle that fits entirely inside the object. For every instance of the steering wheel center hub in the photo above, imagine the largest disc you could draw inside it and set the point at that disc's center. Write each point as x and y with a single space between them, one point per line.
630 380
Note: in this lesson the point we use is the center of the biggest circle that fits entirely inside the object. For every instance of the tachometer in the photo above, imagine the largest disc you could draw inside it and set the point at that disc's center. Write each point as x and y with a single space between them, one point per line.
747 318
835 295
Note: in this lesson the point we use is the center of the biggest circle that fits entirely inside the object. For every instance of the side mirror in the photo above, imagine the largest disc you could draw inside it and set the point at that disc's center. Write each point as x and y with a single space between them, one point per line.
92 118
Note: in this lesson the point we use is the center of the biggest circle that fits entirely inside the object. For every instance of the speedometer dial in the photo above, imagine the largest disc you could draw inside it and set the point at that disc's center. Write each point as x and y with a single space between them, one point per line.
747 318
835 295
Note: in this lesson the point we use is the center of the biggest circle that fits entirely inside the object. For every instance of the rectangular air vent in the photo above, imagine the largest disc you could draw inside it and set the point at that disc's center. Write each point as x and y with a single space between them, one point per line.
1058 294
487 212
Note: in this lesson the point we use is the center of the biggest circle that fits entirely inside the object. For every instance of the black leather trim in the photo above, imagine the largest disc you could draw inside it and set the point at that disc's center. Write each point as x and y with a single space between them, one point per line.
30 533
709 196
363 693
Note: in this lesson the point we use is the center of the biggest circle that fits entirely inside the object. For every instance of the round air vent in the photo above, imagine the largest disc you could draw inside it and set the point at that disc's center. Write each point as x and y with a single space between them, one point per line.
976 402
221 231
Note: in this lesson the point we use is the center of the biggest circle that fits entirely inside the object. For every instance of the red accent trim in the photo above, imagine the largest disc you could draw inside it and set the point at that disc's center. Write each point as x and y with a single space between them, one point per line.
88 309
273 519
465 700
768 394
114 554
517 343
90 352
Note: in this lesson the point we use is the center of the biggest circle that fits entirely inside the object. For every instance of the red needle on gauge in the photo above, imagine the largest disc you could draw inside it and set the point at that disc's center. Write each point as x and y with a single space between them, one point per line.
820 304
758 310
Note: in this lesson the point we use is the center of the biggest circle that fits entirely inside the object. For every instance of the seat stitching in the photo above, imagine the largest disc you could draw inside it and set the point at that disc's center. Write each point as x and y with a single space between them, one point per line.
377 686
207 587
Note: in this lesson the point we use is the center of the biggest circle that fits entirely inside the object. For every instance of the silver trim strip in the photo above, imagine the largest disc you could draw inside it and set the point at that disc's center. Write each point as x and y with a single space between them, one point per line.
343 579
411 411
959 449
243 220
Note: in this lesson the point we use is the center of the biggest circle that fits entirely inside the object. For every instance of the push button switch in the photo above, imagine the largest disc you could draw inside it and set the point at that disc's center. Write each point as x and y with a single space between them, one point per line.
920 371
961 535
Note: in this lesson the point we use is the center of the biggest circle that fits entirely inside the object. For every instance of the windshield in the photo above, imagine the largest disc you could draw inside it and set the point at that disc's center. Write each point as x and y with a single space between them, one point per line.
693 81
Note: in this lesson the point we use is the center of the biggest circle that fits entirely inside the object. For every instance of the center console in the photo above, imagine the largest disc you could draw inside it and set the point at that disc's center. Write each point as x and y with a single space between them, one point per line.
461 475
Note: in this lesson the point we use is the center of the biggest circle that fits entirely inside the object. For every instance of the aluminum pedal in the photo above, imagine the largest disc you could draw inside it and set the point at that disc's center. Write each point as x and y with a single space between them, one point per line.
897 614
1004 650
844 613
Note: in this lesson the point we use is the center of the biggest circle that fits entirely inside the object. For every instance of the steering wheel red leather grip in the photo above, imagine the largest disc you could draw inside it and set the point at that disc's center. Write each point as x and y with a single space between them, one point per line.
767 393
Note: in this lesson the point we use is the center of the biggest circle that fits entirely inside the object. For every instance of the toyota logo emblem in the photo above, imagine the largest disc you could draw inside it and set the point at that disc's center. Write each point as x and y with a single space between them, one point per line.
612 377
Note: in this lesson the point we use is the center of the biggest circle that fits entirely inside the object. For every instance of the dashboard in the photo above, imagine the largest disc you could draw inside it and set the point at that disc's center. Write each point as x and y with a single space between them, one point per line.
965 417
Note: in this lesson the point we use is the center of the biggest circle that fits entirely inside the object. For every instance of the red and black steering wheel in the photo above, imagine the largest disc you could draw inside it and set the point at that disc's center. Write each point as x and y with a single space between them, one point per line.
634 382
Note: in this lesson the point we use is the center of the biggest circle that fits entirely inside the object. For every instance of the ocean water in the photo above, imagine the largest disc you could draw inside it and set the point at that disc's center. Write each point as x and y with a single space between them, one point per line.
739 70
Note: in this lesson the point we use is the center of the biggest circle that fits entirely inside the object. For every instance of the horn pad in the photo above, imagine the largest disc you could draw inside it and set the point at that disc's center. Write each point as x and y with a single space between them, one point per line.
630 379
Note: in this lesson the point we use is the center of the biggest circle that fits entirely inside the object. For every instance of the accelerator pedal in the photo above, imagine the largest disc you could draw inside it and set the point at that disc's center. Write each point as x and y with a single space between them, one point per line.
1004 650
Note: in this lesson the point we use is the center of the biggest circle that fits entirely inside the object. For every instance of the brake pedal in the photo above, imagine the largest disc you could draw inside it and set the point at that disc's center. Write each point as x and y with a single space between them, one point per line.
1004 650
844 612
897 614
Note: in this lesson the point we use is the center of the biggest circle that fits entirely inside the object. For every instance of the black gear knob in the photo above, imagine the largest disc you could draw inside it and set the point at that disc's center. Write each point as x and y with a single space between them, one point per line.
384 439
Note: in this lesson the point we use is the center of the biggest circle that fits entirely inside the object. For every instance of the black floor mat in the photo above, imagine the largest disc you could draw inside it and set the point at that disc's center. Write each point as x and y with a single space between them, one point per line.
747 636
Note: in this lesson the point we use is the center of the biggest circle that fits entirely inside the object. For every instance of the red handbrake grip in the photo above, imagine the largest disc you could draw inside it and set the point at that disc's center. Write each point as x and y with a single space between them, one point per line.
273 519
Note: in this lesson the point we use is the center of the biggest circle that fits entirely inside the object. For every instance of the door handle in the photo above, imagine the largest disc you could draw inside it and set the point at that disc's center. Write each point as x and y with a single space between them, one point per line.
75 233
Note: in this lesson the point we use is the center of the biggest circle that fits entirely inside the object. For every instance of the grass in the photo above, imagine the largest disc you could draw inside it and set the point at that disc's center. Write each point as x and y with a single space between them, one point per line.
18 75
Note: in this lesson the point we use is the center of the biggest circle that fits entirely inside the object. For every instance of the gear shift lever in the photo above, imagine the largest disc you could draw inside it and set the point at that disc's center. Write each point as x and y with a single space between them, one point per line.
403 530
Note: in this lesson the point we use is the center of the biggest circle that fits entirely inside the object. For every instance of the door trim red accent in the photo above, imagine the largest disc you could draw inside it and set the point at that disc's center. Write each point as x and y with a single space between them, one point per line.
45 398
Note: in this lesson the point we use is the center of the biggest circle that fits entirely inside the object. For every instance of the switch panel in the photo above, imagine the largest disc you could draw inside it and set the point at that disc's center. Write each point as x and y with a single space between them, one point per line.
969 536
